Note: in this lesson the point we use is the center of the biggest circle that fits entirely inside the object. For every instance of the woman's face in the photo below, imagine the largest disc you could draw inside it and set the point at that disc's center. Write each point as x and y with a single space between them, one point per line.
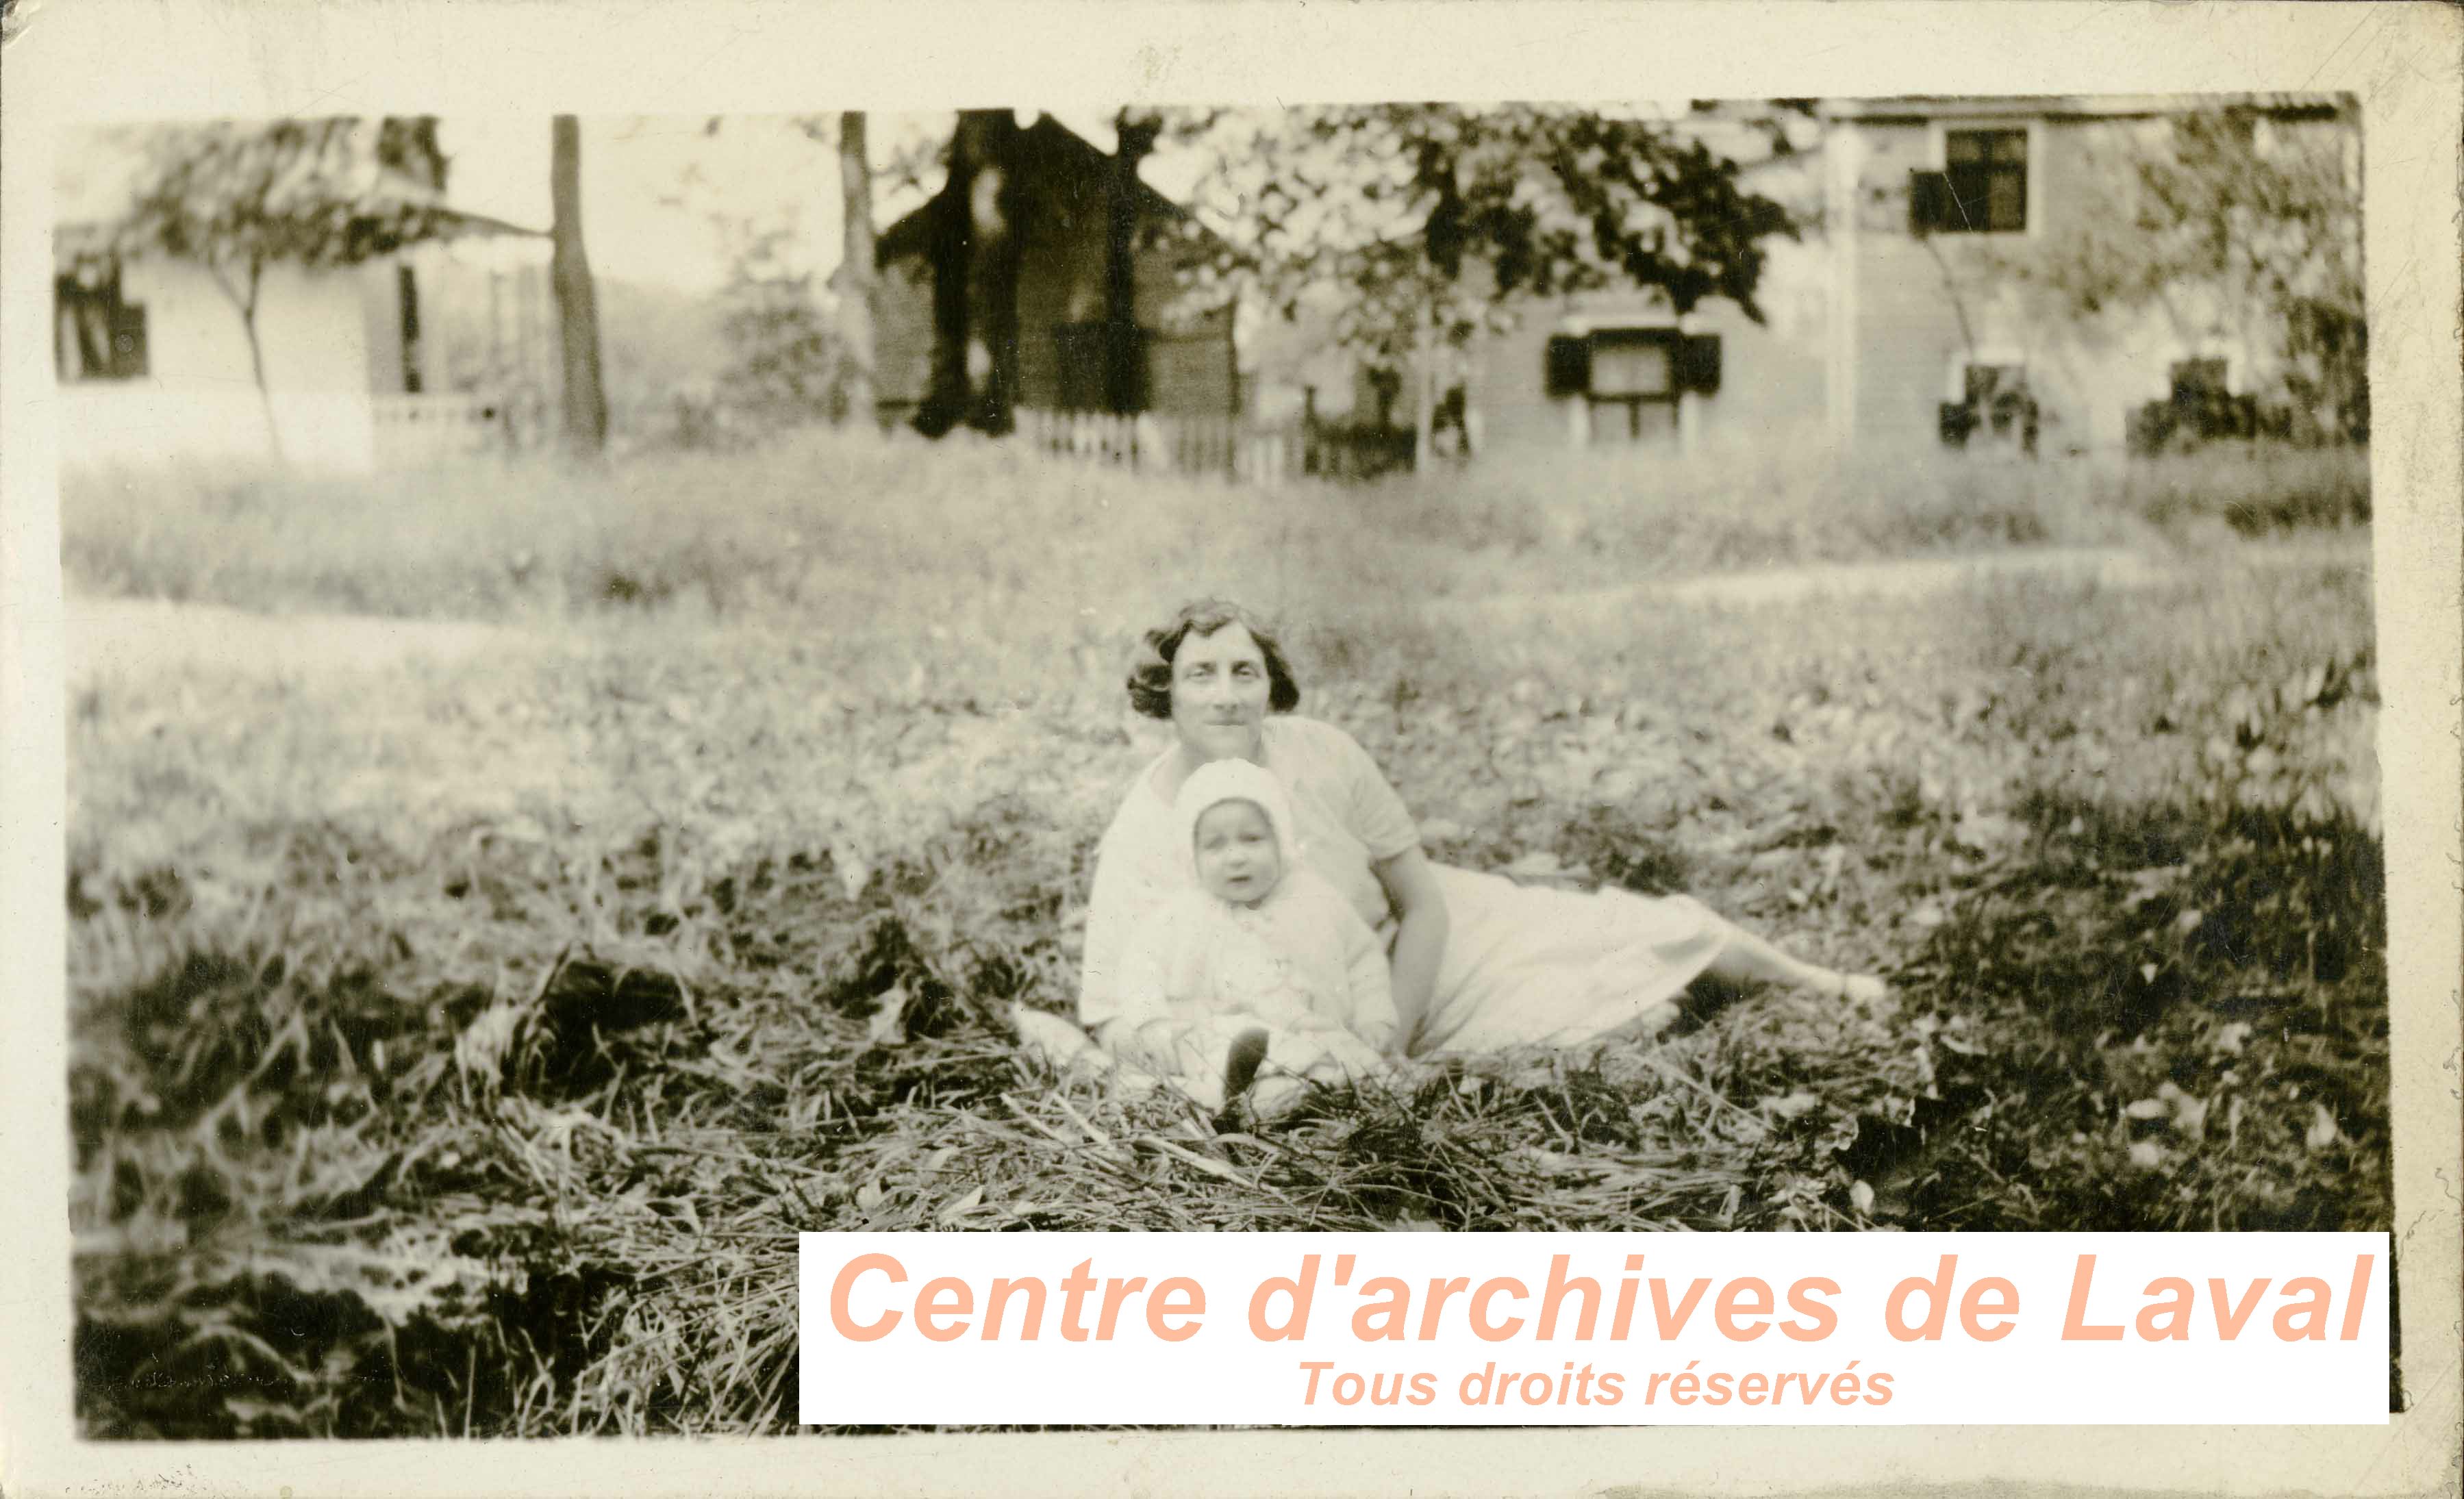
1219 693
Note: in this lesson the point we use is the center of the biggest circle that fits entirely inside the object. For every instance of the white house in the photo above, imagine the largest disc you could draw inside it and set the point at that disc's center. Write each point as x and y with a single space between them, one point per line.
441 347
1935 207
1901 320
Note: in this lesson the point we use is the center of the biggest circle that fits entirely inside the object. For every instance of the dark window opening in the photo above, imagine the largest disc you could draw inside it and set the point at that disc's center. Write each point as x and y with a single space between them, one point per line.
1996 402
1985 383
95 335
1986 175
407 286
2199 408
1632 378
2197 382
1633 365
1981 190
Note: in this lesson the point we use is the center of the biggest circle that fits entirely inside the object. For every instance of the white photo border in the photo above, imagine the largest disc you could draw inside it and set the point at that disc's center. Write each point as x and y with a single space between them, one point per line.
78 61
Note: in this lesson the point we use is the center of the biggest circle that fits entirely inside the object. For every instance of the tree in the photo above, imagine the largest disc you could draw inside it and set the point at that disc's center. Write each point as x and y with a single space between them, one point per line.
972 242
238 200
2243 219
577 302
786 364
1136 133
855 275
1394 203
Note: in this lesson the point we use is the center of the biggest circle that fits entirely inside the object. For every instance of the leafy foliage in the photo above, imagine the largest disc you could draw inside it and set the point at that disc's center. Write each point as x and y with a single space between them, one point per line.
236 198
1461 210
787 363
2241 216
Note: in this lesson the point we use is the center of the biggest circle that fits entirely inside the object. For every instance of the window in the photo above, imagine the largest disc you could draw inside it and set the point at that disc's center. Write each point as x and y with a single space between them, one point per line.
1998 394
1632 364
2197 382
1981 190
1989 180
1631 377
1996 404
95 335
2200 407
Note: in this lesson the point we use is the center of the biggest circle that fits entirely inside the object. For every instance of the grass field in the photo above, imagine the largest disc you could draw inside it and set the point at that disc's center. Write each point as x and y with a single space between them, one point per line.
458 1042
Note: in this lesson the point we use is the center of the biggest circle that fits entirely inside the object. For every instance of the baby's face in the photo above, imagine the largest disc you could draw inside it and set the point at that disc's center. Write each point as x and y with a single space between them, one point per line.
1236 858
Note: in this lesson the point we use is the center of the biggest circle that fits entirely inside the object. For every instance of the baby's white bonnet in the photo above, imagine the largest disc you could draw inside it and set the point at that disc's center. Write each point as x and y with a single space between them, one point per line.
1220 781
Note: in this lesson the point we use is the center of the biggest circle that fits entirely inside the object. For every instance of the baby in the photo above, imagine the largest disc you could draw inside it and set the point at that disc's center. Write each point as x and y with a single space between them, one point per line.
1264 969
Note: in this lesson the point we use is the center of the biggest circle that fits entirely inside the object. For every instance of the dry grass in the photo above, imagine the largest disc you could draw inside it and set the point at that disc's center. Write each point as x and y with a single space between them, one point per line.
800 529
458 1048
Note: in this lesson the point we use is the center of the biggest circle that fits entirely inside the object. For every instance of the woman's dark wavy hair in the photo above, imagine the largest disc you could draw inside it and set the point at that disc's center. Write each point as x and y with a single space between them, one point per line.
1151 673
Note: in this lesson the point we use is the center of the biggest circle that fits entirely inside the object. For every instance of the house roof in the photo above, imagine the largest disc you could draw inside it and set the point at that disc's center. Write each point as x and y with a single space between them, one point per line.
100 172
2078 106
1046 146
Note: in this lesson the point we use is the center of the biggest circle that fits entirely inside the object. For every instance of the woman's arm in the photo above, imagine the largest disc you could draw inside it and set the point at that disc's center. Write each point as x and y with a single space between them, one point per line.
1420 938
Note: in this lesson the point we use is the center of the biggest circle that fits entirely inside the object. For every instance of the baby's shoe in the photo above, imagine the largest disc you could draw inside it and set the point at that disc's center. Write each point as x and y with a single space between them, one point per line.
1240 1062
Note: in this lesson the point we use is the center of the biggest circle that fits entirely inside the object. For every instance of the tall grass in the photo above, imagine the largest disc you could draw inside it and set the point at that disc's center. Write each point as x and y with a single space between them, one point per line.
822 526
2252 489
1605 516
456 1047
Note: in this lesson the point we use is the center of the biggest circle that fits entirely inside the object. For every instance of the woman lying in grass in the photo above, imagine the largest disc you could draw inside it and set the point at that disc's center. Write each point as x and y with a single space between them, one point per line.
1261 964
1478 961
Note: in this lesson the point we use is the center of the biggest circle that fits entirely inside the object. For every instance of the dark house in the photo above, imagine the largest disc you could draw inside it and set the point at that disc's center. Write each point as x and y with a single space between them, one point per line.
1095 334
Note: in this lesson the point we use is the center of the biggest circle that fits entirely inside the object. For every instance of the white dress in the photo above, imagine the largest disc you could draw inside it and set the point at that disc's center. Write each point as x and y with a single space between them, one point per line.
1523 966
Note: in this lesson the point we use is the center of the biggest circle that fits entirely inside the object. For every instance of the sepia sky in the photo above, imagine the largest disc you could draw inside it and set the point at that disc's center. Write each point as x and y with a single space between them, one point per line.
650 185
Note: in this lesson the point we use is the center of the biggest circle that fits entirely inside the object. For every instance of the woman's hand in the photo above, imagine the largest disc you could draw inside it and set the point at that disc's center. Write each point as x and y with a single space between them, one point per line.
1419 939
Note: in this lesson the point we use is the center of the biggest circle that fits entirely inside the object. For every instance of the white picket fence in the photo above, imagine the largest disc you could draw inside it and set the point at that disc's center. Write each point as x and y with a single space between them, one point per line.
1166 443
426 429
